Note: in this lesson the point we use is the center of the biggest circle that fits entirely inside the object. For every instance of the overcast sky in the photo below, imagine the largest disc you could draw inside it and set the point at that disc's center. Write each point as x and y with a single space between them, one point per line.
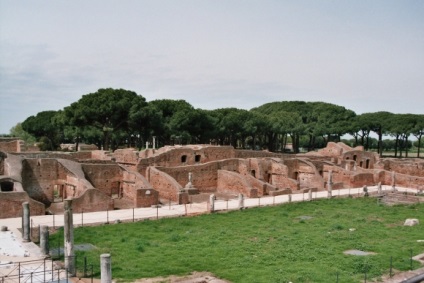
367 56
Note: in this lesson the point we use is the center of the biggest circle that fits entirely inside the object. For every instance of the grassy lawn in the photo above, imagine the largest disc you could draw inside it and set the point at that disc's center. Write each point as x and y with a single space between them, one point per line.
298 242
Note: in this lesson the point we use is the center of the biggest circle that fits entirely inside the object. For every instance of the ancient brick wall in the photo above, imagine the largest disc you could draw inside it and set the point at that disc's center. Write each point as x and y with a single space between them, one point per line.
38 178
92 200
41 177
305 172
2 157
364 159
239 153
81 155
183 156
13 202
332 149
136 188
232 182
362 179
204 175
10 146
167 187
146 197
126 156
104 177
413 167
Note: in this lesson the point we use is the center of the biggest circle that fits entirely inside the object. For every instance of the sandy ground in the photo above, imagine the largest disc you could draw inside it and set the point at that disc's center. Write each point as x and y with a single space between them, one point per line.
195 277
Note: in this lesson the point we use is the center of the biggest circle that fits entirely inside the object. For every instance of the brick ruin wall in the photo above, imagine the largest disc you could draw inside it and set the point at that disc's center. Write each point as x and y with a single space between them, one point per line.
10 145
234 183
169 187
42 177
184 156
136 188
205 176
414 167
13 202
92 200
104 177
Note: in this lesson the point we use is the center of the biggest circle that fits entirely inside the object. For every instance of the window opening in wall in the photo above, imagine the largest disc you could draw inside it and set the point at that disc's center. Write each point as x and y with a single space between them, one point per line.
184 159
253 172
197 158
367 163
6 186
354 157
295 175
360 164
320 172
347 158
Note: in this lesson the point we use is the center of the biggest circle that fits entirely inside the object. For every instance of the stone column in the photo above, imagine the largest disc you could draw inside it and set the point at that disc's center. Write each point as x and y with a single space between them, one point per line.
69 237
212 203
154 142
26 228
105 268
310 194
330 184
241 201
44 240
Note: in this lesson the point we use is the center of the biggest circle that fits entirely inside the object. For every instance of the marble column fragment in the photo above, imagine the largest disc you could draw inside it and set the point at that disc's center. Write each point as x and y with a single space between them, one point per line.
26 228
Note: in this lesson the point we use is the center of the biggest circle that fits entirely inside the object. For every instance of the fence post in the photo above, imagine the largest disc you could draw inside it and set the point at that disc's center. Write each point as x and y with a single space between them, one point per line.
107 216
19 272
85 266
391 266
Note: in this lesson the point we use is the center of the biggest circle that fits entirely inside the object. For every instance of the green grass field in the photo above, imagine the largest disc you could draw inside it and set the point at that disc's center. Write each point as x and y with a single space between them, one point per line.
298 242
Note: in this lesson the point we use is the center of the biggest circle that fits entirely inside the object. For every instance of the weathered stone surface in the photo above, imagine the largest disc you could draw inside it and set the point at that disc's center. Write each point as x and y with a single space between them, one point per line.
411 222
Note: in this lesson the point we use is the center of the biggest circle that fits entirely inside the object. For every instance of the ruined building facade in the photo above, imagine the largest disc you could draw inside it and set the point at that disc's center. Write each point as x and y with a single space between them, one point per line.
98 180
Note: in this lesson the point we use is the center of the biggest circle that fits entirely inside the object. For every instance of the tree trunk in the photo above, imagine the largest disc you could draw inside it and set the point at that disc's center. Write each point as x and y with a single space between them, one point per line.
406 146
380 143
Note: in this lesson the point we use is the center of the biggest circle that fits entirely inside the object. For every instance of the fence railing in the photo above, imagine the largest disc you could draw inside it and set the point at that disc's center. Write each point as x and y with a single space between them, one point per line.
168 209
